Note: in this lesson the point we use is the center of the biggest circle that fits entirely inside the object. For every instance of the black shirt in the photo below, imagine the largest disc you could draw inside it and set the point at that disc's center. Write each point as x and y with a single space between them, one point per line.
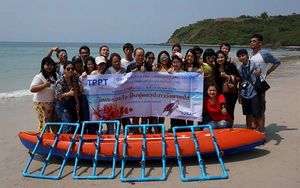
133 66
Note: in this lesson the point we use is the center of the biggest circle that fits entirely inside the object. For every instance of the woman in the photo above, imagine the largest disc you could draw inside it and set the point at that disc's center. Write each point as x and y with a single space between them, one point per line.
149 62
176 48
209 75
225 47
100 66
116 67
191 62
163 62
149 58
67 95
89 67
190 65
163 65
223 71
42 86
215 109
177 65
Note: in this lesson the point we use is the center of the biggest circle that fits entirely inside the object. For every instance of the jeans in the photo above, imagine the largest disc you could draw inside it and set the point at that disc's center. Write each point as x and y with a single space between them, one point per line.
84 108
219 124
66 112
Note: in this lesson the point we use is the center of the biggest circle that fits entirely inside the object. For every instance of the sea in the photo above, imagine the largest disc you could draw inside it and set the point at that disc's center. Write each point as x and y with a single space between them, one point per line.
20 61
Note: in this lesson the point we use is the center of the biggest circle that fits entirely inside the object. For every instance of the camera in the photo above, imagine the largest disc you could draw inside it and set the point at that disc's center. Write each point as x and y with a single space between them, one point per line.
245 85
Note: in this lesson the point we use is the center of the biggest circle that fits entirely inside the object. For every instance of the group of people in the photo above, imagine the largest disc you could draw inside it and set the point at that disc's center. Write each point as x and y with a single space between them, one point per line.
59 95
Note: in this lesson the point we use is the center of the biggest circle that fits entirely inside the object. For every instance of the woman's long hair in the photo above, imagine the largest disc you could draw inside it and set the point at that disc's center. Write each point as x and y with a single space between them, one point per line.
48 60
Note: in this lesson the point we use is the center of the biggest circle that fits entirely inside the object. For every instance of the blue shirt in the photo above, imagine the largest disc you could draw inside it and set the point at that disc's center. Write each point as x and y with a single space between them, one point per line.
248 79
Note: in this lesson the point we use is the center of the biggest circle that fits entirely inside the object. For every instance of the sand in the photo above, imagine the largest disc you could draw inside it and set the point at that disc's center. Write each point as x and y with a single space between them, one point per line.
276 164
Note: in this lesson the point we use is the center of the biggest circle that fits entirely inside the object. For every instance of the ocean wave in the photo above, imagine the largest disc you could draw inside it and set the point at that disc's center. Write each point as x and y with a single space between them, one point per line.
15 94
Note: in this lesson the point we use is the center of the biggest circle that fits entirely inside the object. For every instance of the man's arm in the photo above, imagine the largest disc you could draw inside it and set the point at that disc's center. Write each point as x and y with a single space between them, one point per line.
52 50
269 58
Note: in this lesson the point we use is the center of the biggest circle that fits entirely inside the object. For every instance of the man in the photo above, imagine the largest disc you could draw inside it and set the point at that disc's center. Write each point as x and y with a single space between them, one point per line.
128 51
62 57
104 51
267 61
84 51
138 65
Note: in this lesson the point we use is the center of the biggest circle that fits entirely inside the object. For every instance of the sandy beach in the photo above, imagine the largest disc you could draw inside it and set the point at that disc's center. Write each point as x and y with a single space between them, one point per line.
274 165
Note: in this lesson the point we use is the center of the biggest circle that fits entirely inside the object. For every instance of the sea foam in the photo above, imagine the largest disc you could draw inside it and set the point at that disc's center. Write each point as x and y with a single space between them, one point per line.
15 94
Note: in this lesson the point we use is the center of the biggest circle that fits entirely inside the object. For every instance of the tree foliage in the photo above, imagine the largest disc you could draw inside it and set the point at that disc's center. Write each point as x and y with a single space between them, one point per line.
277 30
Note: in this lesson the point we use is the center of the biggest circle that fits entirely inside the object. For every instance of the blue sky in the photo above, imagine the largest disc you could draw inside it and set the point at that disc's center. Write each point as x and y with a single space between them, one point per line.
118 21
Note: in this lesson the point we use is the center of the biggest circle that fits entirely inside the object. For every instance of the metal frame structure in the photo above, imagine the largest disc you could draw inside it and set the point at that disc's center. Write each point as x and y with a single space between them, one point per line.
52 147
204 175
97 150
143 177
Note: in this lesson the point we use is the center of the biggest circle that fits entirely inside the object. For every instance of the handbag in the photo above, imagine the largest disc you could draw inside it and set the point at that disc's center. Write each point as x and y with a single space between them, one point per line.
261 86
229 86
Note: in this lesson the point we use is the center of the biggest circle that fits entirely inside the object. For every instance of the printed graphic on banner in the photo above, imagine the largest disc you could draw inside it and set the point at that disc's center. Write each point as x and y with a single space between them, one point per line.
174 95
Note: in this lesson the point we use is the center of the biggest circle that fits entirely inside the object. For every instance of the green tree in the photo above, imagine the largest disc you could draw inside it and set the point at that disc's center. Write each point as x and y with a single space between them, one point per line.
264 15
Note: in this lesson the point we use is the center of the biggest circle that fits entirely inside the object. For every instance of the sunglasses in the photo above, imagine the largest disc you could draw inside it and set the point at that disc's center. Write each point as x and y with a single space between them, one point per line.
69 69
164 58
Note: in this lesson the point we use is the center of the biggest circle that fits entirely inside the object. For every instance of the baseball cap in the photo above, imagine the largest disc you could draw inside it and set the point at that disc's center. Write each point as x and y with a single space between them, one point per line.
76 59
177 54
99 60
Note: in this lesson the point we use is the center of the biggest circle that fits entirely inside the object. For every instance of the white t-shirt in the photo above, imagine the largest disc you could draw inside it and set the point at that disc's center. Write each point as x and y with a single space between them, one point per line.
45 95
125 62
266 60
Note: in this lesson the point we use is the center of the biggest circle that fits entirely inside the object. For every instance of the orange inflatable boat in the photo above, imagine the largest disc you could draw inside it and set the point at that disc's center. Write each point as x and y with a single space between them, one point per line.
230 141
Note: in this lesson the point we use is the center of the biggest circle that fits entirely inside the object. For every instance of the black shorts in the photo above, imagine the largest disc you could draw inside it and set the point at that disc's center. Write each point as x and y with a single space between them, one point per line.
253 106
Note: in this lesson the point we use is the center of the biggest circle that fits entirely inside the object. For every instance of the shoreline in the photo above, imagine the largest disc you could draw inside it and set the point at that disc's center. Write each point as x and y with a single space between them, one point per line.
289 60
155 44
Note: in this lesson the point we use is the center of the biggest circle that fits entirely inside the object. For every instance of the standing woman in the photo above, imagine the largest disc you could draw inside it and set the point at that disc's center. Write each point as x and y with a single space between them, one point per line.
190 65
225 70
209 59
67 95
163 65
149 62
116 68
42 86
89 67
177 65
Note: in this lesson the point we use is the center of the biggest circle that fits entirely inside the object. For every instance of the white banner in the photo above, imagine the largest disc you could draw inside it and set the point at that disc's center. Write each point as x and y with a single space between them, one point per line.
144 94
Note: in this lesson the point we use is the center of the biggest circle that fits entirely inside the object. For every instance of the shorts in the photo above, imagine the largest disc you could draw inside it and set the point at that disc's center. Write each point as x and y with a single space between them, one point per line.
253 106
263 100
